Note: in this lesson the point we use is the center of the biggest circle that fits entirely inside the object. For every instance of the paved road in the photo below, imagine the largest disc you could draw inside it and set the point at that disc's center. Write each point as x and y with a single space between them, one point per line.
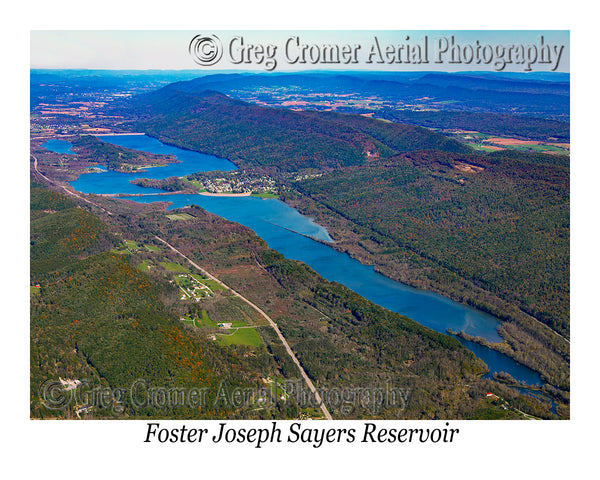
35 167
271 323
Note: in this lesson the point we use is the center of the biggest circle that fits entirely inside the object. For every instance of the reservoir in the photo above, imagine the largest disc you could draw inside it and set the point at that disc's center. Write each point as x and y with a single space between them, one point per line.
284 229
58 146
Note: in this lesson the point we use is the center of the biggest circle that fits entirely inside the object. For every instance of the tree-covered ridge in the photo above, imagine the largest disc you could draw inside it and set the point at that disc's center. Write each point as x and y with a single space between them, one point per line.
456 92
170 184
61 232
499 222
115 157
398 137
283 139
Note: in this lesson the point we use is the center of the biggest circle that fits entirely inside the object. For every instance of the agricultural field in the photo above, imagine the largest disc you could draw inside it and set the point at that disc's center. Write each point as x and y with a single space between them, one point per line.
241 336
174 267
489 143
265 195
131 246
234 332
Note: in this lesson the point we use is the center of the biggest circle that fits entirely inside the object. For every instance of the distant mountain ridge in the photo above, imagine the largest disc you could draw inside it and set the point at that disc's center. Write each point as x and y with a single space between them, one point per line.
245 133
462 92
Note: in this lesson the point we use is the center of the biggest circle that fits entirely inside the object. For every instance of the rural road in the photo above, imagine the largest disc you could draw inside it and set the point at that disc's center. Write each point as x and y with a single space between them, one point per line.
35 167
271 322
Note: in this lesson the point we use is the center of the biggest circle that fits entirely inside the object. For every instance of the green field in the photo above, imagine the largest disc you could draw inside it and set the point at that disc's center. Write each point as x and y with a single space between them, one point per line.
483 148
214 286
265 195
233 336
481 137
131 244
152 248
198 322
204 320
33 290
145 266
539 149
179 216
196 184
192 279
243 336
174 267
183 281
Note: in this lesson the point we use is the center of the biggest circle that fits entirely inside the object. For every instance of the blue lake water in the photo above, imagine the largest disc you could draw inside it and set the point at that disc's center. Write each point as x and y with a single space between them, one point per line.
117 182
287 231
58 146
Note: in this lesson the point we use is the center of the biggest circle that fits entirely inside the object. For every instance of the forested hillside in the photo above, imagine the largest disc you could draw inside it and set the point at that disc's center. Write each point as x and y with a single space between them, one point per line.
501 223
282 139
95 317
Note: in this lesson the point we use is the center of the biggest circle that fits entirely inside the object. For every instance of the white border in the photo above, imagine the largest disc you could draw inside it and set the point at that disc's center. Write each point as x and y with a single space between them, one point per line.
485 449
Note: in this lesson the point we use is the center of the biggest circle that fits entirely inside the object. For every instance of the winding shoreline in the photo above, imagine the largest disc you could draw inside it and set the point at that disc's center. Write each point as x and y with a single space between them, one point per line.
179 192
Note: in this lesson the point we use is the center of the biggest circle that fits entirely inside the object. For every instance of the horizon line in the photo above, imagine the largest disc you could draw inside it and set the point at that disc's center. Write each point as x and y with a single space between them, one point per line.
262 72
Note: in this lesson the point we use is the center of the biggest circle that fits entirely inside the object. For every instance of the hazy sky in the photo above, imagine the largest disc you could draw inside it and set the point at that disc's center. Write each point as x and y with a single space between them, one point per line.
139 49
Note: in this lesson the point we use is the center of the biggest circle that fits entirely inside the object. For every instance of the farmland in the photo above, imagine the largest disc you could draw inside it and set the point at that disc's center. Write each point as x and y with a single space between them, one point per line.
488 143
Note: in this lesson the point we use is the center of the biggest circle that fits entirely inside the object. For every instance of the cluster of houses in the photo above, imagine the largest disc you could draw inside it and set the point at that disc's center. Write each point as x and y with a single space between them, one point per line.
196 291
239 185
